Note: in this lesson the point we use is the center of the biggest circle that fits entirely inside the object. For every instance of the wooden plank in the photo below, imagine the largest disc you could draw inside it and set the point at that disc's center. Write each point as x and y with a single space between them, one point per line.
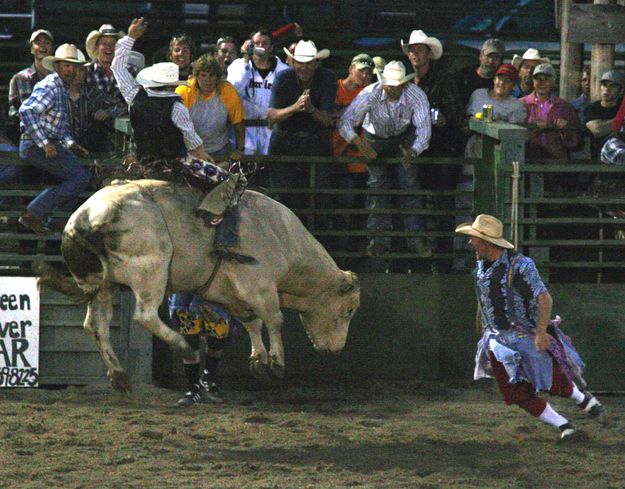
571 55
596 23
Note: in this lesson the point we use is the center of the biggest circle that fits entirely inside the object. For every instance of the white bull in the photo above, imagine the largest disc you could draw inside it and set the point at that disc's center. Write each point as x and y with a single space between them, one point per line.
144 234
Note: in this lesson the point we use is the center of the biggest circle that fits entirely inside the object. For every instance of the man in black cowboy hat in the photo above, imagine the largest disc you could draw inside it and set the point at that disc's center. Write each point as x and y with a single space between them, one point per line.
521 347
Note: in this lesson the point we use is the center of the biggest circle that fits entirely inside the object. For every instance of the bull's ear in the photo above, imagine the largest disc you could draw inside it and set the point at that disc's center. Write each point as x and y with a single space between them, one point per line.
350 282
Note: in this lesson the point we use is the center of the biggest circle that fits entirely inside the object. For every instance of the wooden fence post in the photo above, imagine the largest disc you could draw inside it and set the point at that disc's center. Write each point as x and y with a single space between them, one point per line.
502 144
571 57
601 60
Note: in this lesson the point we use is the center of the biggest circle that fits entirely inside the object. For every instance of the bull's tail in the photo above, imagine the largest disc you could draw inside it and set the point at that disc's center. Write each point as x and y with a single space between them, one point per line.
83 261
52 278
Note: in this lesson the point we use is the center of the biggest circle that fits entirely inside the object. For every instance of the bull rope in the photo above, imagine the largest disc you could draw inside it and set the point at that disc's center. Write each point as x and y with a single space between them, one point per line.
206 286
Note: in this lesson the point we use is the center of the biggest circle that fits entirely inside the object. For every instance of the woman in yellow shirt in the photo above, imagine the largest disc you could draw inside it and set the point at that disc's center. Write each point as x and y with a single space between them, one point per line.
214 104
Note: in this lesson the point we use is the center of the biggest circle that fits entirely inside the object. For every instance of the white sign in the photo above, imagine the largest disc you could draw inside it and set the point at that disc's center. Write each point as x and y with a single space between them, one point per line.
19 332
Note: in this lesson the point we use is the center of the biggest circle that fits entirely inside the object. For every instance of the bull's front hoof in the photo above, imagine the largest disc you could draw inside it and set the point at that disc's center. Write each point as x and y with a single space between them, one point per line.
276 369
259 370
120 381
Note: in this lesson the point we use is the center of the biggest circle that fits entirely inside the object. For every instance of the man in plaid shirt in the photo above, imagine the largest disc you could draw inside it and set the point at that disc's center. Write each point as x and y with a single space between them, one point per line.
100 47
89 106
23 82
46 142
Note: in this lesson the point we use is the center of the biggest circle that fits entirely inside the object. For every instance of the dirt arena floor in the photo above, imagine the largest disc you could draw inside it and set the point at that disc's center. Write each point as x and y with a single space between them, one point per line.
370 435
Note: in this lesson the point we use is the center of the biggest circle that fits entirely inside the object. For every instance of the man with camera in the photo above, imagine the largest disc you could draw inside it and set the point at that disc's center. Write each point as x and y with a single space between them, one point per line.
253 76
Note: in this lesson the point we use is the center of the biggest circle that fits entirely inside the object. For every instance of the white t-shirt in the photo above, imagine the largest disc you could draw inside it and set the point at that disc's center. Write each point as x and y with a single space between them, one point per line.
255 91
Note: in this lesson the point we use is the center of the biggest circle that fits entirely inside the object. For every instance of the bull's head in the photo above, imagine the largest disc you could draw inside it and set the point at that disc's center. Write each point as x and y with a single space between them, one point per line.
327 322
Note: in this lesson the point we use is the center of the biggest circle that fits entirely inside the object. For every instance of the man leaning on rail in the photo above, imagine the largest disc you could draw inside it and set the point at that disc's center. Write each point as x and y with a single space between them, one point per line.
395 117
521 346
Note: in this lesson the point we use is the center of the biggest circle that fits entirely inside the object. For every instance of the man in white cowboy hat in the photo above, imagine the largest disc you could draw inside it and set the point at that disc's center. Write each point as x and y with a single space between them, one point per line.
435 80
300 112
526 64
46 142
481 76
23 82
162 128
446 108
520 346
599 115
395 117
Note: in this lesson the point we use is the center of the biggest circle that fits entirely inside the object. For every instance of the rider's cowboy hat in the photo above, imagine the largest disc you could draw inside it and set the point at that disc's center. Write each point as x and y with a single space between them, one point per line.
488 228
394 74
306 51
530 54
92 38
160 75
65 52
420 37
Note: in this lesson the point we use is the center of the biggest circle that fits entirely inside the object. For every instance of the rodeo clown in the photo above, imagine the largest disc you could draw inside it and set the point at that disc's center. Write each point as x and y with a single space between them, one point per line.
521 347
163 130
195 318
253 77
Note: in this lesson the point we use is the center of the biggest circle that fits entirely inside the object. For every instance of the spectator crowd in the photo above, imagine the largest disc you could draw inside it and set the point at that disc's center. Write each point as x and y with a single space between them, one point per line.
254 99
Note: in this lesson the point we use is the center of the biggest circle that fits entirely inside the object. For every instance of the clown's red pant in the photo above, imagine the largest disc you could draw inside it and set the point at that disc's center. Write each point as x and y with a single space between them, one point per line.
523 394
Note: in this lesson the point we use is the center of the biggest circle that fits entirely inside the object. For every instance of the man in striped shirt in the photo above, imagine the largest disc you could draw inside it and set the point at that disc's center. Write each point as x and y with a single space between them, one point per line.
47 143
395 116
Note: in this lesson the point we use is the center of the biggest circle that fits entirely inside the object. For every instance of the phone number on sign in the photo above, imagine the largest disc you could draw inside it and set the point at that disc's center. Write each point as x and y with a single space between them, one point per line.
18 377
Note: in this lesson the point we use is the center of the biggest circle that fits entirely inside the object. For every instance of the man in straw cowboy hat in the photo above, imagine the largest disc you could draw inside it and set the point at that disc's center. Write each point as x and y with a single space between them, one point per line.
526 64
46 142
163 130
395 117
520 346
100 46
300 111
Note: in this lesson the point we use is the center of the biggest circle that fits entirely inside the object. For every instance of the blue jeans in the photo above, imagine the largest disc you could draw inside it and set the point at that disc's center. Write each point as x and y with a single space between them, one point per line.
385 177
66 167
9 174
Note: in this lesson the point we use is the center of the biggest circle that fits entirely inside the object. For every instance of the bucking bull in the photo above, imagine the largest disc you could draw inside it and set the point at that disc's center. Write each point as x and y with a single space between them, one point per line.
144 234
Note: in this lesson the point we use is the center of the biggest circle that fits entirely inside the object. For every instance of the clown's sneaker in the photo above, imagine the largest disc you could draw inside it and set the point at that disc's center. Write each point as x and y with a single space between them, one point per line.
591 406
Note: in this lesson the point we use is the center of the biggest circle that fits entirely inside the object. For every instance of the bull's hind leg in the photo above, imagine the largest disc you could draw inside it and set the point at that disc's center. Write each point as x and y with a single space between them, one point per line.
97 322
